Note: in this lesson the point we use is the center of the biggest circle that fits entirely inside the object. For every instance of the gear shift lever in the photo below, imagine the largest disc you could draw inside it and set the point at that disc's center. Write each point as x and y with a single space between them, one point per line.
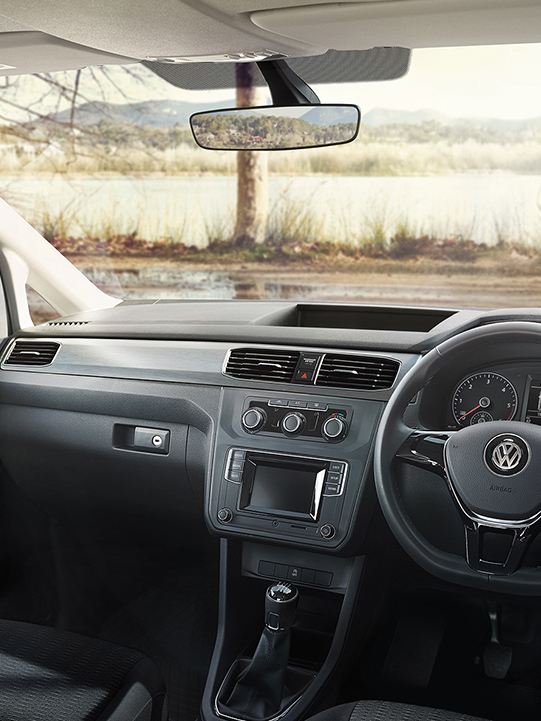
281 602
260 689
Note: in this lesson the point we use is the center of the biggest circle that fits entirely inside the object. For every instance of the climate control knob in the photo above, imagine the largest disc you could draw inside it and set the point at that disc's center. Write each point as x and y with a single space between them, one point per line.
293 423
253 419
334 428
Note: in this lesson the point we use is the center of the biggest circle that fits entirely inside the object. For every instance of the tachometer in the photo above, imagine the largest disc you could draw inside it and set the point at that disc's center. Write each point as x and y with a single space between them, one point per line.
484 397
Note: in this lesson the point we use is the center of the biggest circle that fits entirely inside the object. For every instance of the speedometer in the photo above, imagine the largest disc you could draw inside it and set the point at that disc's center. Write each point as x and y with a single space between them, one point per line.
484 397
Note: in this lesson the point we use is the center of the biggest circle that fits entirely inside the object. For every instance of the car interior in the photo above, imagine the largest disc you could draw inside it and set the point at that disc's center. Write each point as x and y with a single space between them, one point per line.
263 509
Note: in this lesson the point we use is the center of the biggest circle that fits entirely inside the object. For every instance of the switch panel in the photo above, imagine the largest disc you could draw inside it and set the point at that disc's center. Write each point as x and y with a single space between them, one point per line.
296 418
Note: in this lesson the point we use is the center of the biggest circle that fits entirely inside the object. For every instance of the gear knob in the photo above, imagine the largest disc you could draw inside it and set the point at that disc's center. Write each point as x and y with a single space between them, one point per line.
281 602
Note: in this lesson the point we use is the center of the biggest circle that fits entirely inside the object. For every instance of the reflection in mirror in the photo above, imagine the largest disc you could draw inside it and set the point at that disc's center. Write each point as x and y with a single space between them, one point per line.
276 128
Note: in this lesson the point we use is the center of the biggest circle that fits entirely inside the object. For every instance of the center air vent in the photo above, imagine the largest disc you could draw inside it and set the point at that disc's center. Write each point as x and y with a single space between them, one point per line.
368 373
266 364
31 353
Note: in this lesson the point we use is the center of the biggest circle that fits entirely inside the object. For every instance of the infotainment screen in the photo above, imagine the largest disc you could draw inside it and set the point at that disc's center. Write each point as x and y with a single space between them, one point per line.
283 487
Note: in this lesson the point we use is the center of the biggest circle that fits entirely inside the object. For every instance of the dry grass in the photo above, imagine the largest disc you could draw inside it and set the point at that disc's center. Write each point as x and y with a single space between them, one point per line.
365 158
295 238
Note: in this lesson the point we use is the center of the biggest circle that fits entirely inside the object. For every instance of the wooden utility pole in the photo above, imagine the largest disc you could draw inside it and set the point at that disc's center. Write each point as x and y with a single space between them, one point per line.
252 171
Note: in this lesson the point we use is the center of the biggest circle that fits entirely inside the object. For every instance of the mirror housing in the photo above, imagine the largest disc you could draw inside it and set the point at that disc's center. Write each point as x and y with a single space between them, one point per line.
273 127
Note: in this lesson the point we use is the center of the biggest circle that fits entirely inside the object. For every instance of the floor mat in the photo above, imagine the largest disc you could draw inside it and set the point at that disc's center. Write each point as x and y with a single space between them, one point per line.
457 681
175 625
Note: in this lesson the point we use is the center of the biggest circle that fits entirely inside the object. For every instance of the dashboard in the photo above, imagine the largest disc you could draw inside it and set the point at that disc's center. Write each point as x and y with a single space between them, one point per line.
225 404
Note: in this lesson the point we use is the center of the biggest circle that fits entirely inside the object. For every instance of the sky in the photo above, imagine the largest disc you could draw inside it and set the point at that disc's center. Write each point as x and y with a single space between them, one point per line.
493 81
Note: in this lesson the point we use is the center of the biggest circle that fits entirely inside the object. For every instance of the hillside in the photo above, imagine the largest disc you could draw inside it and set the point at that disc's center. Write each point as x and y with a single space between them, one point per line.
153 136
170 113
150 113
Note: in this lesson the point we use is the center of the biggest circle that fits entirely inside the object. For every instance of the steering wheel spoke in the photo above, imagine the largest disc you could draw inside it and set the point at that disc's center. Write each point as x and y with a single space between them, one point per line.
425 449
498 551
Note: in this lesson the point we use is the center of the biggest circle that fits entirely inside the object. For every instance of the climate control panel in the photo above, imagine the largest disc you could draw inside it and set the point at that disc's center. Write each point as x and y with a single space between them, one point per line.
290 417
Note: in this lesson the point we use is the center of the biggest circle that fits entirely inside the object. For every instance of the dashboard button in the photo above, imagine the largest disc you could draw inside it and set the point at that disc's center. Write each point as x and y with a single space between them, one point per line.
266 568
294 573
306 368
280 570
297 404
337 467
323 578
331 489
308 575
327 531
225 515
278 402
317 406
334 477
302 375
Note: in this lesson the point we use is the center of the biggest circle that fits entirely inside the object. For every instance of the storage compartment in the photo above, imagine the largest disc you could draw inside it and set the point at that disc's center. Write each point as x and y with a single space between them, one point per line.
370 318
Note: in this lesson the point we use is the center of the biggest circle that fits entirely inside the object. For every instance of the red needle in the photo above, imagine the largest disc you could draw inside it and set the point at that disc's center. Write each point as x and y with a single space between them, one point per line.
472 410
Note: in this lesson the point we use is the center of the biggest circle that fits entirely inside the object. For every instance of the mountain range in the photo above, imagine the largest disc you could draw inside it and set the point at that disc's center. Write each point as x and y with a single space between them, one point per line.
169 113
329 115
149 113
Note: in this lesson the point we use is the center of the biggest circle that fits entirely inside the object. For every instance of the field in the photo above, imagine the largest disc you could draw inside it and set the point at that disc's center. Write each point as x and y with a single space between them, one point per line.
430 148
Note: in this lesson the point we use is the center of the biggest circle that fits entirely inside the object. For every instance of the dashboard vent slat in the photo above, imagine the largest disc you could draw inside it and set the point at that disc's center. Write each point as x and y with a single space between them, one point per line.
262 364
32 353
67 323
357 372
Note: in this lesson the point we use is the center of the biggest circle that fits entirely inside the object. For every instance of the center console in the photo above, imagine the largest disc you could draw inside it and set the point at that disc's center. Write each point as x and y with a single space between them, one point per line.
289 492
290 468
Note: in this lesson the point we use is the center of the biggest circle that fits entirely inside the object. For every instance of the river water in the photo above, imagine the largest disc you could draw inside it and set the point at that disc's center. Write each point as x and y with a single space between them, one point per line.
482 207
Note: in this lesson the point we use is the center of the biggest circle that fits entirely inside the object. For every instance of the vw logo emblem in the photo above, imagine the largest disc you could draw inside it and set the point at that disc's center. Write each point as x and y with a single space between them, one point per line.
506 455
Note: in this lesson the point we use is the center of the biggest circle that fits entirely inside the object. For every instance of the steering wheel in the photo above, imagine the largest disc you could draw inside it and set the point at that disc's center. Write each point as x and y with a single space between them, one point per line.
492 471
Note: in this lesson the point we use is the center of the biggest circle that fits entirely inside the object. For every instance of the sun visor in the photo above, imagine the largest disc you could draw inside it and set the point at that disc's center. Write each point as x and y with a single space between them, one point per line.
26 52
334 66
405 23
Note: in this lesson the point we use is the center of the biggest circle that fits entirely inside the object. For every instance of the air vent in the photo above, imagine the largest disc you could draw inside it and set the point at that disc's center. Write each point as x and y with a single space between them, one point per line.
366 373
65 323
266 364
31 353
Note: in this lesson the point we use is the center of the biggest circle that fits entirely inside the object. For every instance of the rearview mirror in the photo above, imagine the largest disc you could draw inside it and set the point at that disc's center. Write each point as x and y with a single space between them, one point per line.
276 128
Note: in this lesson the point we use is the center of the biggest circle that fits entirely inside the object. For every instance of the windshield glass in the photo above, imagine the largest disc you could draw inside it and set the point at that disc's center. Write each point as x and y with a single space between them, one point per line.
437 202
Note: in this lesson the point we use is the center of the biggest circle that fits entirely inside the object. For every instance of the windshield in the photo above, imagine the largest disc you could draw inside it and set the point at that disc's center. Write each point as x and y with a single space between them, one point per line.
437 202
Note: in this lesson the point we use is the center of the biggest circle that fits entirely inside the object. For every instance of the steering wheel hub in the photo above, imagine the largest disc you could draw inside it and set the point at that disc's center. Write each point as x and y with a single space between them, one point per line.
494 469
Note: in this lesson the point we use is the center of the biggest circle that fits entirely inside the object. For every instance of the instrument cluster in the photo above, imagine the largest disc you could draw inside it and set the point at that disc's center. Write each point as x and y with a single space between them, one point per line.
494 393
497 395
484 397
